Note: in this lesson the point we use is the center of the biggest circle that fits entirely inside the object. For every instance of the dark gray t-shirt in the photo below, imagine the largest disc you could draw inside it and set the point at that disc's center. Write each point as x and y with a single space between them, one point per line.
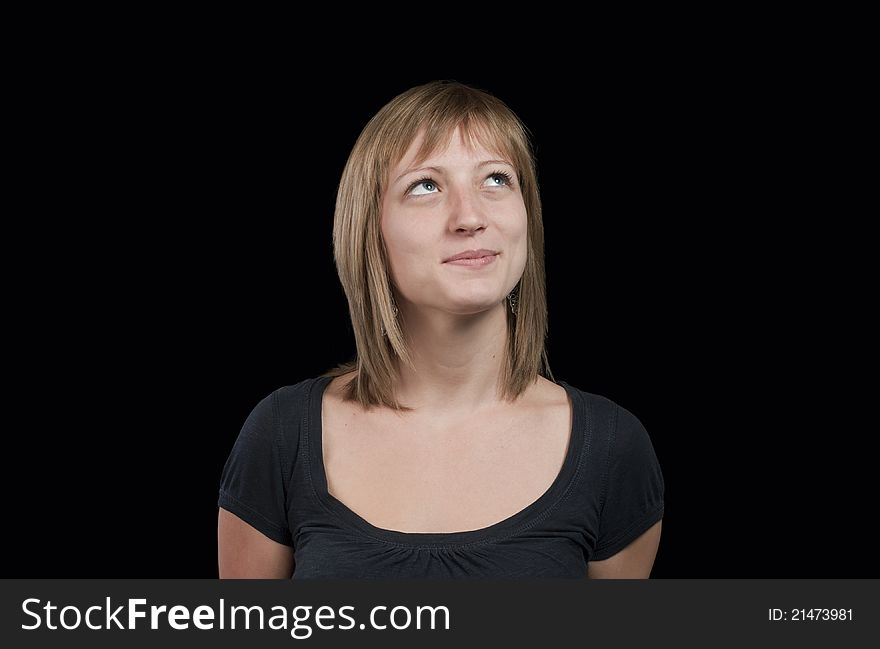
609 491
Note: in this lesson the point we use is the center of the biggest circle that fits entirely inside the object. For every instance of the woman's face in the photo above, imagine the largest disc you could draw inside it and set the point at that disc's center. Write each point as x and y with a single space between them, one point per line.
465 204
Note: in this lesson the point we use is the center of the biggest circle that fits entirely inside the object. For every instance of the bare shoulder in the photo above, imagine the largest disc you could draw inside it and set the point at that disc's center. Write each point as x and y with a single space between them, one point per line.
551 399
546 408
549 392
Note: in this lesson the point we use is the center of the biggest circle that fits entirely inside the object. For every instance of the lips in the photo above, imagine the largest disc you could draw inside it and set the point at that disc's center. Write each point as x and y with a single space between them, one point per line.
473 262
472 254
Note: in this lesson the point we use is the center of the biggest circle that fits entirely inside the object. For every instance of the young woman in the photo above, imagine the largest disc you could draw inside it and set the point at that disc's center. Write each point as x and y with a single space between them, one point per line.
445 448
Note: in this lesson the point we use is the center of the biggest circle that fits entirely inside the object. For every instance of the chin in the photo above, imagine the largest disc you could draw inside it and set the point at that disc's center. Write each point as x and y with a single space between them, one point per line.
471 308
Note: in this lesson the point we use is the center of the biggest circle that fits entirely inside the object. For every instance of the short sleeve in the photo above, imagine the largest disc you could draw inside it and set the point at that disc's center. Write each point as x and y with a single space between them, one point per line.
634 487
253 484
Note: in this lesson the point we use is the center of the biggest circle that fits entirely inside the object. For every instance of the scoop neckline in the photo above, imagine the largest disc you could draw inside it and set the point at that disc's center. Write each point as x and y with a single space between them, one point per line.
509 526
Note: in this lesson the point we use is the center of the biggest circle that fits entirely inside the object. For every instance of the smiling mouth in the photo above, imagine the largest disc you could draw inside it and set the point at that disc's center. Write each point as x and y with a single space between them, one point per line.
474 261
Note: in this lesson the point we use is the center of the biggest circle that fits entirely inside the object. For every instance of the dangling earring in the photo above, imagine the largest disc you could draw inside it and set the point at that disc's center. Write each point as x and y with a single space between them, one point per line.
512 298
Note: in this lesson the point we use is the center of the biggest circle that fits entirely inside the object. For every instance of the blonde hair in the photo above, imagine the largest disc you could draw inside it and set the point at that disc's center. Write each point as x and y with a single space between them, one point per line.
437 108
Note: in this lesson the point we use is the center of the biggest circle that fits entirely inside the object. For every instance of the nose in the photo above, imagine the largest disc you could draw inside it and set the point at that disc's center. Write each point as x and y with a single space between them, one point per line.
467 212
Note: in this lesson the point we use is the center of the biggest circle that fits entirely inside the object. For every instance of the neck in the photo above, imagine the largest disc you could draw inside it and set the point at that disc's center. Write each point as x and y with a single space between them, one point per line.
457 358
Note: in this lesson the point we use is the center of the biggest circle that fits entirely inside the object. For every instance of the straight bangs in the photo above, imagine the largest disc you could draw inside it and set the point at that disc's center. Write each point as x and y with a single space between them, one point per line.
478 123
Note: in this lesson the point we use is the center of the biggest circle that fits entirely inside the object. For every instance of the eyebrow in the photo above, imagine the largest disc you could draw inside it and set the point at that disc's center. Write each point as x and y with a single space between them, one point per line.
441 169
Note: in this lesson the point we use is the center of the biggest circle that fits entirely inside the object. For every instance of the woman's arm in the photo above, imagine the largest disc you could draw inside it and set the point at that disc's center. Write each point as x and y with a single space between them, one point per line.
245 553
633 562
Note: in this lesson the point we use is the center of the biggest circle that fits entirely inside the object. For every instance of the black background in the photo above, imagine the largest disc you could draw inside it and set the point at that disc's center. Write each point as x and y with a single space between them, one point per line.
179 268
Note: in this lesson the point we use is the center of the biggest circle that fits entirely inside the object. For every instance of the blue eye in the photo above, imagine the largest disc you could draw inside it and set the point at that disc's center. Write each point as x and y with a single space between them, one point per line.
507 179
429 182
423 181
